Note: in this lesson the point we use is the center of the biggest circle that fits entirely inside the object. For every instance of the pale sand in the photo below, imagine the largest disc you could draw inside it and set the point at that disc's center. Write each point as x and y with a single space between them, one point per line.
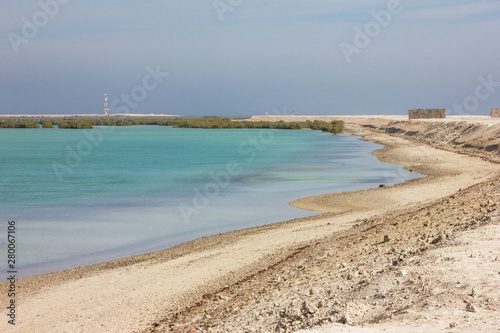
130 294
363 119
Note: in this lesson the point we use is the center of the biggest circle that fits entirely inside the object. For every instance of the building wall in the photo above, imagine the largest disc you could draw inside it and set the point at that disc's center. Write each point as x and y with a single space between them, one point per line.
427 113
495 113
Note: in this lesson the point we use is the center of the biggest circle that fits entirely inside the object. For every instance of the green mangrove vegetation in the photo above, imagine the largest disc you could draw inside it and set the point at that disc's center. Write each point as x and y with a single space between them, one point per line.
18 124
47 124
333 127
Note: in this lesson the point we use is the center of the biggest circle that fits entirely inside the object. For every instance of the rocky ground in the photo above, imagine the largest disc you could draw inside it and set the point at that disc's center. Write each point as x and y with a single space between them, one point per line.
402 268
475 139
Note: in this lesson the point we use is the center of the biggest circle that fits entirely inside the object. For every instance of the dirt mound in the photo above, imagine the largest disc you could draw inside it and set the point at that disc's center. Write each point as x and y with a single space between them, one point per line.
463 137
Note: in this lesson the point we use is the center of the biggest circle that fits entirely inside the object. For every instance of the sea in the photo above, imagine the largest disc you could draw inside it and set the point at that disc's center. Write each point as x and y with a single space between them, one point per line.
80 197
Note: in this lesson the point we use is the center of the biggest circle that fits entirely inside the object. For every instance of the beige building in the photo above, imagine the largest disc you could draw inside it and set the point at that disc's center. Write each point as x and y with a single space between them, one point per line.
426 113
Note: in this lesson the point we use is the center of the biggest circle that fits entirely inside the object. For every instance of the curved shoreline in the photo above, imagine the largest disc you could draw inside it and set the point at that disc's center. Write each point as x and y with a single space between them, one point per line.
176 278
279 194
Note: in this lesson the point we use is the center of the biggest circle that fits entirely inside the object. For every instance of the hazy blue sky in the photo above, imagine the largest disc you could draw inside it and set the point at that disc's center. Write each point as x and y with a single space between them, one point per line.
247 57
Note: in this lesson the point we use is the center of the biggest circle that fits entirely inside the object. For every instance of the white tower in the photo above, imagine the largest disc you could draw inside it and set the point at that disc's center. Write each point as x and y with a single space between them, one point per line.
106 108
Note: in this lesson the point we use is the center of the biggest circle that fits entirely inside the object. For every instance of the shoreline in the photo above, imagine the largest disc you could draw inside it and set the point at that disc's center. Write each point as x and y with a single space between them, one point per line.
209 264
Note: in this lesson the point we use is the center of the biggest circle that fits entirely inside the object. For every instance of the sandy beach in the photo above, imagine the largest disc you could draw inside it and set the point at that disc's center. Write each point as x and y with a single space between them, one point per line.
418 256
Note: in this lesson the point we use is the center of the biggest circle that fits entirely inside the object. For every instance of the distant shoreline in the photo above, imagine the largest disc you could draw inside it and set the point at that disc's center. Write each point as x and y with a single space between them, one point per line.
77 116
286 118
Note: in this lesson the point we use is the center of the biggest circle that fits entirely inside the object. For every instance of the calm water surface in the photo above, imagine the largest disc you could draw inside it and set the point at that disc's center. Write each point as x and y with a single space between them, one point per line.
84 196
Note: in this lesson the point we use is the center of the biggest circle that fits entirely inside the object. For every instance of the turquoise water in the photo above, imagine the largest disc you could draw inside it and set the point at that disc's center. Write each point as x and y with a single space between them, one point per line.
85 196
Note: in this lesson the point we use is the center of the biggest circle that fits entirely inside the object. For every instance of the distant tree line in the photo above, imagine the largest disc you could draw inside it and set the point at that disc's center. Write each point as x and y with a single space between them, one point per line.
334 127
18 124
89 123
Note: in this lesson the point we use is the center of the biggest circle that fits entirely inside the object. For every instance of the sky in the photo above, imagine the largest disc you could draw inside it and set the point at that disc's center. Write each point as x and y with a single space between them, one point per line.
249 57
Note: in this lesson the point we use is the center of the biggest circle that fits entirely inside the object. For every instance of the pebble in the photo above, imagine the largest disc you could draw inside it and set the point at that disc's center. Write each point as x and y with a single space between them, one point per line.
471 307
386 238
402 273
313 291
276 278
308 308
437 239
